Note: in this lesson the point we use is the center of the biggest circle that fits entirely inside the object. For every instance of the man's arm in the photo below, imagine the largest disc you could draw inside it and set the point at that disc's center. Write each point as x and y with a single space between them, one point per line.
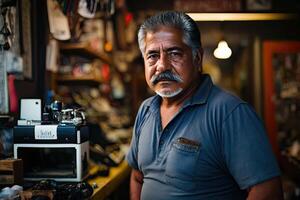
136 182
268 190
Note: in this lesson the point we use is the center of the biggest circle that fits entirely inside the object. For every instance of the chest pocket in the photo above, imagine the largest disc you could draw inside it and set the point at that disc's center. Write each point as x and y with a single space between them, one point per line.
181 164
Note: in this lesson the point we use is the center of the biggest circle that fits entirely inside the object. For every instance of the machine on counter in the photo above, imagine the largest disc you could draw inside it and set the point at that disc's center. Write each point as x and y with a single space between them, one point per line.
57 148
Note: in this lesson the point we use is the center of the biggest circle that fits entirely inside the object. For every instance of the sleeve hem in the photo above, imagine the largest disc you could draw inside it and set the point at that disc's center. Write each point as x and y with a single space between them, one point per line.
260 180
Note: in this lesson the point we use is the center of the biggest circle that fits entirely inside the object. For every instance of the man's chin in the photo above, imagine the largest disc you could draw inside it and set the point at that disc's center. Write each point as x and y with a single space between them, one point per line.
168 93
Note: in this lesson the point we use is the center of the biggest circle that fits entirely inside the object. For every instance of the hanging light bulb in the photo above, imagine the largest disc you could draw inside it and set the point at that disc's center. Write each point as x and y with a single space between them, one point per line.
222 51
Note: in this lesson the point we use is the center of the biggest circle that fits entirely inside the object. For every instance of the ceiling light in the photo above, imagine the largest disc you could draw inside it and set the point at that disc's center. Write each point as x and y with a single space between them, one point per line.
222 51
242 16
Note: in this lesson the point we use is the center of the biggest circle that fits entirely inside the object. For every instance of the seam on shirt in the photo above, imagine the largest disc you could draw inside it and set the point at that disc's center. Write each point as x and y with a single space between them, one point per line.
262 178
232 111
222 127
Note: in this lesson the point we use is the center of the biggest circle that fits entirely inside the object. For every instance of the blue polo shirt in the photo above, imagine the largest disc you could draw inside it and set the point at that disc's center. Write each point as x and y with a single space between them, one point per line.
215 147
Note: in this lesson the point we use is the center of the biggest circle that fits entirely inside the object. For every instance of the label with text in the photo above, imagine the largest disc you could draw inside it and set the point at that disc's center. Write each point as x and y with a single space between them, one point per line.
45 132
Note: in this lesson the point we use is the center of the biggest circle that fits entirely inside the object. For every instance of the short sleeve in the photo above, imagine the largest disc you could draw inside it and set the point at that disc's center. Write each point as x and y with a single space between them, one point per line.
248 153
132 154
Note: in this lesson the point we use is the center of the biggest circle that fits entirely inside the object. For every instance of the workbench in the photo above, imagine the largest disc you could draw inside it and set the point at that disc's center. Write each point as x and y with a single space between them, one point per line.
107 185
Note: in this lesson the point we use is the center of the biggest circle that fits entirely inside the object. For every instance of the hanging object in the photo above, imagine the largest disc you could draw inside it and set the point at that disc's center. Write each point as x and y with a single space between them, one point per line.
107 7
58 22
4 31
222 51
52 52
87 8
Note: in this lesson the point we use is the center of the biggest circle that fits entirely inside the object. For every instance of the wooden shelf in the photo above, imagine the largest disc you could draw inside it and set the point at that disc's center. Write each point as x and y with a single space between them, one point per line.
84 48
71 78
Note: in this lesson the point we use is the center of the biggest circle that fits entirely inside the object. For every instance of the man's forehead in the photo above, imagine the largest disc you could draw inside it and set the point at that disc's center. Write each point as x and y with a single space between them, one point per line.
164 31
165 48
164 38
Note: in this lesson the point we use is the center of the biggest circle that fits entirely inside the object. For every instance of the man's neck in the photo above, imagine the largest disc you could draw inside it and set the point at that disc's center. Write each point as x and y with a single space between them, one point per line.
179 99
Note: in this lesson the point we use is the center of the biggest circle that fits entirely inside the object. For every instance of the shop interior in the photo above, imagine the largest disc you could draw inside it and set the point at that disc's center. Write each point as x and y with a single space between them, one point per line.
78 62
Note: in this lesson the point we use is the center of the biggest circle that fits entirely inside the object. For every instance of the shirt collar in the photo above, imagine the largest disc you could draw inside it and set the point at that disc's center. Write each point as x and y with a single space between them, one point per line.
153 103
199 97
202 92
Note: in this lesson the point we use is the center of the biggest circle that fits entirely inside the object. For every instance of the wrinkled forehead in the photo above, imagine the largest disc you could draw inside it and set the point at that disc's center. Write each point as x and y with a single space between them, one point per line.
165 36
164 28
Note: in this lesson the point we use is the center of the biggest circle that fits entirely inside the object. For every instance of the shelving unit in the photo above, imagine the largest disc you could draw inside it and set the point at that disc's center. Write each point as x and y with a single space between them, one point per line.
84 48
86 78
85 71
83 78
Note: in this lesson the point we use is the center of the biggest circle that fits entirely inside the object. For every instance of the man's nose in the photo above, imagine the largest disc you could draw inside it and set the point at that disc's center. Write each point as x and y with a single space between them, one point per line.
163 62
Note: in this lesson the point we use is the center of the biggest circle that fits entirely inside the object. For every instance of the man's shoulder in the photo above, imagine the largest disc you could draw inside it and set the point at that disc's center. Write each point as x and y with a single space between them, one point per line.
146 104
226 95
222 99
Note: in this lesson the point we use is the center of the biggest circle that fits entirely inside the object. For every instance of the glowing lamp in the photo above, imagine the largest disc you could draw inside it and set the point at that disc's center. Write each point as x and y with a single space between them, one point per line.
222 51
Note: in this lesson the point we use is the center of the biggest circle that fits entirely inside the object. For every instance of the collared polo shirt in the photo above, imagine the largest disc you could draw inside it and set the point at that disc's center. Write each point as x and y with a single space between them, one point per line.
215 147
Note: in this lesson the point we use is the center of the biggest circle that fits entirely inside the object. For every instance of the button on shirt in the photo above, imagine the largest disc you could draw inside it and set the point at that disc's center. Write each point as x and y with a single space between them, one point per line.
215 147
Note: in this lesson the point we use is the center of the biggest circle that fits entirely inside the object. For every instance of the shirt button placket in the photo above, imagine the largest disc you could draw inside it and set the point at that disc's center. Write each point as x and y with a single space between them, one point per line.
162 145
161 142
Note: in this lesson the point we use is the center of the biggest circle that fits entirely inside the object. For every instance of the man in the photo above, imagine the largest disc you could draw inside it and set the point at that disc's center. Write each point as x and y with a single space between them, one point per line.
192 140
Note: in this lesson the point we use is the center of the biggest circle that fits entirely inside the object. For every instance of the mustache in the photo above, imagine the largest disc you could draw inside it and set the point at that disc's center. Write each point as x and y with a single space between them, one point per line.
165 76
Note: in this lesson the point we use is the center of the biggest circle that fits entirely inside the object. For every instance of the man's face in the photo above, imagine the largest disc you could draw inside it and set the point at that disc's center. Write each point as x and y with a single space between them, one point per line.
166 53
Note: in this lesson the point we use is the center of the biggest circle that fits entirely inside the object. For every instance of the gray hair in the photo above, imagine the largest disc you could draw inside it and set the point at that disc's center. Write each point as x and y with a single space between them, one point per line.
189 28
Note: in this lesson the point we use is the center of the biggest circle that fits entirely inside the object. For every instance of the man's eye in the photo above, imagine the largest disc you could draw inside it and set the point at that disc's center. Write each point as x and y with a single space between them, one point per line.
152 59
152 56
175 54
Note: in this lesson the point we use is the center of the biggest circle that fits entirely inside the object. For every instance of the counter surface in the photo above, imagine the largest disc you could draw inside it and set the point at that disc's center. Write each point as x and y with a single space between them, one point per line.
106 185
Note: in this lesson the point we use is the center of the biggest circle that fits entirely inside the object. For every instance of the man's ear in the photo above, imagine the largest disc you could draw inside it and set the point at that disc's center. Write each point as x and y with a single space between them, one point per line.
198 58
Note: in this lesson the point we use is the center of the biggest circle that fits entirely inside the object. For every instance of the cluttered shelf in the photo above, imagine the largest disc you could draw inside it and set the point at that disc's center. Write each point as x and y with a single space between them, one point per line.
107 185
84 48
85 78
